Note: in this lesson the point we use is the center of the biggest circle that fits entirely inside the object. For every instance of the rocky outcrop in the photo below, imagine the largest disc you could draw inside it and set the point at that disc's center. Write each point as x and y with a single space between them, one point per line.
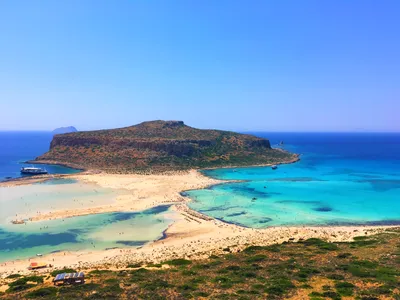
63 130
161 145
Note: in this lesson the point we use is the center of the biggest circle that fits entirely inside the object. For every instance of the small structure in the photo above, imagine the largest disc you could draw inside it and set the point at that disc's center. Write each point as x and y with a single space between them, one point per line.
69 278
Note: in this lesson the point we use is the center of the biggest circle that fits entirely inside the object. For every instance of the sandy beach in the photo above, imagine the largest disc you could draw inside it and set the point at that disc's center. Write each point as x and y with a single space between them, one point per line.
191 235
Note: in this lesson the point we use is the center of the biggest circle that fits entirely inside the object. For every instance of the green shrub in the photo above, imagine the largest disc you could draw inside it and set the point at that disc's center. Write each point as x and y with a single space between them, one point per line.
42 292
136 265
256 258
345 288
252 249
22 284
99 272
321 244
335 277
111 281
12 276
19 288
155 284
178 262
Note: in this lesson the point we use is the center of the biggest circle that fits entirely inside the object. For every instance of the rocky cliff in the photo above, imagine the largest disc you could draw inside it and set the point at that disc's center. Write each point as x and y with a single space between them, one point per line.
161 146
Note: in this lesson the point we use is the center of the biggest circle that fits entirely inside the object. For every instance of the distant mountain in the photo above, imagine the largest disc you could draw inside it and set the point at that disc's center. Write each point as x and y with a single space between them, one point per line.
62 130
161 146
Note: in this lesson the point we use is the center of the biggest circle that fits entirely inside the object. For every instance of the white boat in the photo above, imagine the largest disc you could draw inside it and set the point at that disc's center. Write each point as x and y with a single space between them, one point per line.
274 167
33 171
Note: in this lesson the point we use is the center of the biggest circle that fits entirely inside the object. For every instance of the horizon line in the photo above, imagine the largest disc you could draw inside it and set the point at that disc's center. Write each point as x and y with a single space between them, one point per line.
238 131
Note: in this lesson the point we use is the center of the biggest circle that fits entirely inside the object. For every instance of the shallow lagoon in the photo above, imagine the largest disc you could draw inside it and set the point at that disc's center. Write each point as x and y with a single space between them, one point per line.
341 179
24 201
97 232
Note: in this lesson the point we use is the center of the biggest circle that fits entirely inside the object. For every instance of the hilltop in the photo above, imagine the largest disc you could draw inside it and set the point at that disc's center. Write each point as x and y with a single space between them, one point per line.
161 146
62 130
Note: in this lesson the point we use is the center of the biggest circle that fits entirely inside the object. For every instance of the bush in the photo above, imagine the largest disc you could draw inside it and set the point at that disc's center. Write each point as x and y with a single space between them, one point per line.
19 288
344 255
320 244
178 262
256 258
12 276
345 288
253 249
156 284
42 292
137 265
21 283
335 277
99 272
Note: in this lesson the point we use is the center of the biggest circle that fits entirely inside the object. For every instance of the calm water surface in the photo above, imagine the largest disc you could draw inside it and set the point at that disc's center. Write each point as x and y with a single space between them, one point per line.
341 179
16 147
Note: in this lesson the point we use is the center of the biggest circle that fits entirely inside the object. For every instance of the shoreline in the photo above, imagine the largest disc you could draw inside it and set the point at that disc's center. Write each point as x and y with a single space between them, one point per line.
58 163
191 235
296 158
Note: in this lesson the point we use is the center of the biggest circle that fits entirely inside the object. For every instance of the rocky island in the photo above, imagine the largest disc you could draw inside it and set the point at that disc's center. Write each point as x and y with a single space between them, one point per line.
161 146
62 130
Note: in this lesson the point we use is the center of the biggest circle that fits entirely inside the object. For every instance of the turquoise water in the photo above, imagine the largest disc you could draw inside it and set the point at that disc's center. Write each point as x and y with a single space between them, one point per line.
341 179
96 232
25 201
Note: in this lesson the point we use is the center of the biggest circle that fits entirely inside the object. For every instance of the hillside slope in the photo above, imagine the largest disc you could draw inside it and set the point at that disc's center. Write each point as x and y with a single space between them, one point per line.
161 146
367 269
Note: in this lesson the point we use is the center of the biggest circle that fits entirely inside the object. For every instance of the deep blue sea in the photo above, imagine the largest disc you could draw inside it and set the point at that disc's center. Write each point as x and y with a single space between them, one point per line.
16 147
342 178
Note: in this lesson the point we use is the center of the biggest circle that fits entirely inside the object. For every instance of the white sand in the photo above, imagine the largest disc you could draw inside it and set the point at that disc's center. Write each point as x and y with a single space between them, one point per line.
192 234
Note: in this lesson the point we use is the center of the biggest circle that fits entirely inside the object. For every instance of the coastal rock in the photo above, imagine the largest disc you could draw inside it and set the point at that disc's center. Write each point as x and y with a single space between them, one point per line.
161 146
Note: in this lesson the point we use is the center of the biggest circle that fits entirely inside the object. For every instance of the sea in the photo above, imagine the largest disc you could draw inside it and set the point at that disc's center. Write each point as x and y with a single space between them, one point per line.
90 232
341 179
17 147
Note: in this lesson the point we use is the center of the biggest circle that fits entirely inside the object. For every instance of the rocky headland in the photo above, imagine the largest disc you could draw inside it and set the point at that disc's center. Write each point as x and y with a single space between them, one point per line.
159 146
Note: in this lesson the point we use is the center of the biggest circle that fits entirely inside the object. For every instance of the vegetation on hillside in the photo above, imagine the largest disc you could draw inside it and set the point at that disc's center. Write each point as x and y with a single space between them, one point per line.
161 146
366 269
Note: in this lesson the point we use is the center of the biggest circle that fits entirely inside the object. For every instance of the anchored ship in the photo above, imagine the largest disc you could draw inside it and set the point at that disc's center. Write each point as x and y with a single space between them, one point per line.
33 171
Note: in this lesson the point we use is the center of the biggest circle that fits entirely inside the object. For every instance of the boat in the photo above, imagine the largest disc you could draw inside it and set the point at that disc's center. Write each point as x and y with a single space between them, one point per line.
274 167
33 171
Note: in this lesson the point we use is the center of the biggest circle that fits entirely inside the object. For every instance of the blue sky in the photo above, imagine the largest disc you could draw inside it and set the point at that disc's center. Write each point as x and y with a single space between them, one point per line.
238 65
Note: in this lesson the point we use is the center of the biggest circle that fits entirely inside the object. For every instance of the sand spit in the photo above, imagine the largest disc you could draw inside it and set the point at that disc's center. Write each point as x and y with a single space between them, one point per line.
136 192
191 235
